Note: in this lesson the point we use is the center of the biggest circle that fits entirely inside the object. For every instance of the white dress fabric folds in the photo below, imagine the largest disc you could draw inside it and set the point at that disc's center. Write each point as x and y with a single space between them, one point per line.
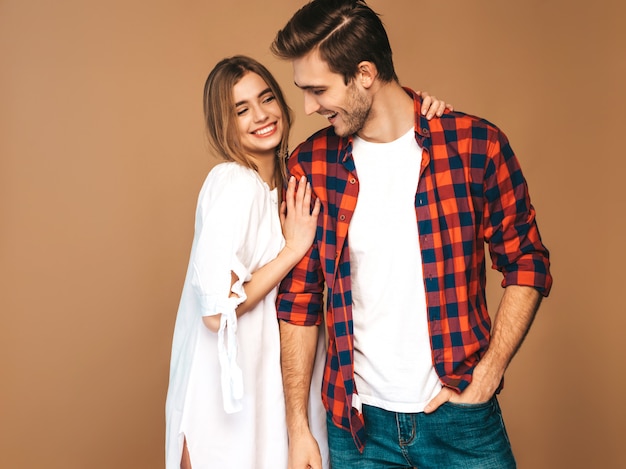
225 392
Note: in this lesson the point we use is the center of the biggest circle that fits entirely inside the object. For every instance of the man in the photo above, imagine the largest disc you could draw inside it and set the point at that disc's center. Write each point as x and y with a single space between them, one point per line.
414 361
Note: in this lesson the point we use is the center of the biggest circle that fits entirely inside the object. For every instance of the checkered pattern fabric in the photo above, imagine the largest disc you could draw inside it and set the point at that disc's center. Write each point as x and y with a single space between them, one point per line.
471 194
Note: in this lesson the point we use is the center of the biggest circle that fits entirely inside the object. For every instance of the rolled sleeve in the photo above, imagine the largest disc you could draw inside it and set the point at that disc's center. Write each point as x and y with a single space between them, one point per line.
510 228
300 294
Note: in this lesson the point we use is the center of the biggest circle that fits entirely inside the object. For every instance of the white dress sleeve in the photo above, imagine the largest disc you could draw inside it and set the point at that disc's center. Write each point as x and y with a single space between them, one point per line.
224 218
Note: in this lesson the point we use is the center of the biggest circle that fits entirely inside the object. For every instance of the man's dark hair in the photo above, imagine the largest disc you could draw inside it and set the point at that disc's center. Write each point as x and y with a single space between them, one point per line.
346 32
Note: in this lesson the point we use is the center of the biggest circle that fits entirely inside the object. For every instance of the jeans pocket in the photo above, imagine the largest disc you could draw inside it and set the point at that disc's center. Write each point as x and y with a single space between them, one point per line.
472 435
464 406
472 417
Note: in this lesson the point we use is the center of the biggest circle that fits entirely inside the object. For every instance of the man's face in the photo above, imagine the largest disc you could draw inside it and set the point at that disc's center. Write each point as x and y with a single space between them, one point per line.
345 106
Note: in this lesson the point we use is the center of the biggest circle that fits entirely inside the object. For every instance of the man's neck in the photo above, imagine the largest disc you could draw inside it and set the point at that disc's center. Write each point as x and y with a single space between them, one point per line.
391 116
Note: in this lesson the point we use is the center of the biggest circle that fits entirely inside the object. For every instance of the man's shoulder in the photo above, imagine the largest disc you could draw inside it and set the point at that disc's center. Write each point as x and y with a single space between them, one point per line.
456 126
319 145
458 118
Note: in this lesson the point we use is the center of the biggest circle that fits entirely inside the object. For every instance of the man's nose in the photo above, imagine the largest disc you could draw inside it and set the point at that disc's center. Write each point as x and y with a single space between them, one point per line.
310 104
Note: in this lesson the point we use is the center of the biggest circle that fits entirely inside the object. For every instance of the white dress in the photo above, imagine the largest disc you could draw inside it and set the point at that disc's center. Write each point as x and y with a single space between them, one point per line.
225 392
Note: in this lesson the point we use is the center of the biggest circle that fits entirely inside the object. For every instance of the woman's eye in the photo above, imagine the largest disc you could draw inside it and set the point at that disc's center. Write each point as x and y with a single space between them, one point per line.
318 92
242 111
269 99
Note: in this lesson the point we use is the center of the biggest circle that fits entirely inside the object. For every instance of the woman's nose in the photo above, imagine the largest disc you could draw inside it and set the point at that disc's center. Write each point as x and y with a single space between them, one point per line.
259 114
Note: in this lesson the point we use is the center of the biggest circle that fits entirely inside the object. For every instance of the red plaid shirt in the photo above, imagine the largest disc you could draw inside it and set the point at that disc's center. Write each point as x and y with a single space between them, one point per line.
471 192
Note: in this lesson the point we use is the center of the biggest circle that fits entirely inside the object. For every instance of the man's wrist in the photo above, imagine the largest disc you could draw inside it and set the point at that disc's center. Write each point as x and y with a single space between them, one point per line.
487 377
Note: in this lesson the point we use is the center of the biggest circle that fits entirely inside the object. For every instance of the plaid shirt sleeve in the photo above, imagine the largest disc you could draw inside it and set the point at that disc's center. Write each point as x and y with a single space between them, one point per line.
510 227
301 293
476 180
300 296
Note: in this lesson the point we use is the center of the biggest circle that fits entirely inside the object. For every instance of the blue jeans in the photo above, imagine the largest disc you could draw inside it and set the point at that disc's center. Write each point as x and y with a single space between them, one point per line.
463 436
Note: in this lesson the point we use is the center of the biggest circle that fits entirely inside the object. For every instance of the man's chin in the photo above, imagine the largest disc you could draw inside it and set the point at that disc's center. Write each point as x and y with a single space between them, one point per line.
342 131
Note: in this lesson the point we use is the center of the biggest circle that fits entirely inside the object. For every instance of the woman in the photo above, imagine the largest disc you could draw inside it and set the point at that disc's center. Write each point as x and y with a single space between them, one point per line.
225 406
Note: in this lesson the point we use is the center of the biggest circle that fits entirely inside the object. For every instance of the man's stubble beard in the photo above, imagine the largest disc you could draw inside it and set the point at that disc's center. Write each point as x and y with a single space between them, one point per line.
357 112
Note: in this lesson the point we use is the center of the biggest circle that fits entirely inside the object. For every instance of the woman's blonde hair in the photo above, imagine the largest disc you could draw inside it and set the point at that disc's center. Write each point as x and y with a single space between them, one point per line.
221 116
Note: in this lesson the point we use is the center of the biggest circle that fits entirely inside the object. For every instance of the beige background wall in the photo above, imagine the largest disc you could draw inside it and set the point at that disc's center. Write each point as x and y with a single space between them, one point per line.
102 154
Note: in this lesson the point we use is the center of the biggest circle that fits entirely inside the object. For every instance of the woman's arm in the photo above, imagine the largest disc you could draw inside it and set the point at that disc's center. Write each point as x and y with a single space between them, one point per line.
299 224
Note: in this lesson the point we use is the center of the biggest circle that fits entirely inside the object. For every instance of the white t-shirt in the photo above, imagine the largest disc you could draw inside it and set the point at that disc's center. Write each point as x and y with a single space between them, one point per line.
225 392
392 354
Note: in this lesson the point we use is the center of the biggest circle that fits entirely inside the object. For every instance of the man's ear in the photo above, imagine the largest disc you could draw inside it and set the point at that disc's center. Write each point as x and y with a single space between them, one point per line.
367 73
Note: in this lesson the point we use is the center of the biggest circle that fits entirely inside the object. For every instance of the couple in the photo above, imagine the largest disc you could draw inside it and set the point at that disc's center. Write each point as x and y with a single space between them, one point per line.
413 362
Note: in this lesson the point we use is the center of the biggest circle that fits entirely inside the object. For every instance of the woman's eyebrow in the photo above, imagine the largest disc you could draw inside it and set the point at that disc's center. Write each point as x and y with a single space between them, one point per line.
265 91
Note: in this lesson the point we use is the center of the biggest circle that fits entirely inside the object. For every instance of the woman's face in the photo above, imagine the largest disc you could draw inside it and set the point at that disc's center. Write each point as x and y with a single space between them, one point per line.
259 116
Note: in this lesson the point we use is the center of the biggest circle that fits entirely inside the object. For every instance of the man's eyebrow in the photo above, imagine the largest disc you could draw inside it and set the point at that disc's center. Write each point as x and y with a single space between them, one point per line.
307 87
265 91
